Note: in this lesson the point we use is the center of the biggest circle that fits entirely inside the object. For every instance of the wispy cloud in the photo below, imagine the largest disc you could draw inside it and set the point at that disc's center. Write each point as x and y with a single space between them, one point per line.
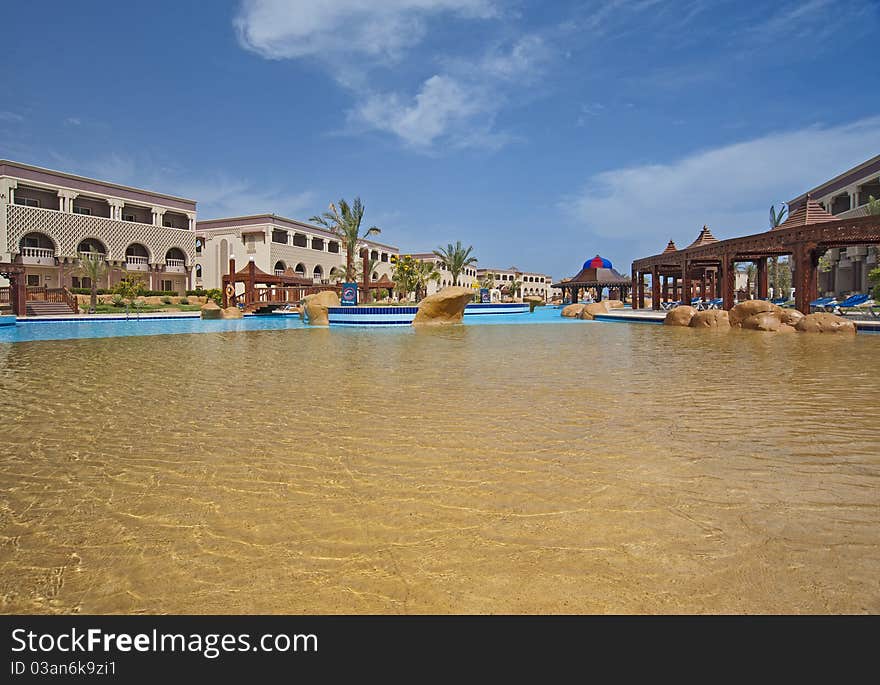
727 187
73 121
326 29
11 117
455 104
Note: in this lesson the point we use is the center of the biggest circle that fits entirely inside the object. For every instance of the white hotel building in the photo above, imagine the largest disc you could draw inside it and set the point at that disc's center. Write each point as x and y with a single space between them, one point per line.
277 244
48 218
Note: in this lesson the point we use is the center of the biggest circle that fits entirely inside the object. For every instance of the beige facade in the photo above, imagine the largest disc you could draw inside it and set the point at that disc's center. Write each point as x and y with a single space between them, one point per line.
532 283
49 218
466 279
846 196
275 244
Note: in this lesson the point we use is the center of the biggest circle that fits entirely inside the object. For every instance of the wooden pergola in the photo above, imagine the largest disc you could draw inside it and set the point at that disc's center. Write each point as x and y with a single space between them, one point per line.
708 266
16 293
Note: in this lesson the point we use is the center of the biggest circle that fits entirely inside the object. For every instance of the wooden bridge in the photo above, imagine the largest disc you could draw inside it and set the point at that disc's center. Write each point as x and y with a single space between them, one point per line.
275 296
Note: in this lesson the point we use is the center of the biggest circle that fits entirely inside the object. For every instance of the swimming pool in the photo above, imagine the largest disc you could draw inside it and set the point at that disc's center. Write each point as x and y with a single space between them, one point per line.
27 331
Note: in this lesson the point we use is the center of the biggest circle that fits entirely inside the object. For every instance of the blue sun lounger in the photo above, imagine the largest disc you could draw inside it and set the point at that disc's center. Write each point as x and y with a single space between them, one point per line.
847 304
822 303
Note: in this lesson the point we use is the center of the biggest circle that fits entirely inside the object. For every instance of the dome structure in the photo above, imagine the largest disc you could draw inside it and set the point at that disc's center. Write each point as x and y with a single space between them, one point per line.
597 262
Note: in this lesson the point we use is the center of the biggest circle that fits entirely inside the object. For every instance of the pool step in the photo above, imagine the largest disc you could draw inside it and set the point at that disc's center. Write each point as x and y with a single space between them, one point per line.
43 308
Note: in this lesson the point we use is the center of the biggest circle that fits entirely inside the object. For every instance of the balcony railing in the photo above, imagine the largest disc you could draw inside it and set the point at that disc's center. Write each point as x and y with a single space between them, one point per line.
279 272
99 256
38 252
135 259
175 262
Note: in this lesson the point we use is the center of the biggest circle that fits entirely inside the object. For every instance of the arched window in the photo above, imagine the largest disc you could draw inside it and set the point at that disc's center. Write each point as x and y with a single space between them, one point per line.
279 267
300 269
318 272
198 270
92 246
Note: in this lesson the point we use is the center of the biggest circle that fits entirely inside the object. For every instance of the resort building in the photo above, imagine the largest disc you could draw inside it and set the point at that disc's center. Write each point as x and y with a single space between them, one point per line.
278 245
49 218
531 283
845 270
466 279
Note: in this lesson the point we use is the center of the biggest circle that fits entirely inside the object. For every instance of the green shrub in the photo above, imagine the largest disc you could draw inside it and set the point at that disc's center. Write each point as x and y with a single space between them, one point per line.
184 300
215 294
874 277
118 301
166 300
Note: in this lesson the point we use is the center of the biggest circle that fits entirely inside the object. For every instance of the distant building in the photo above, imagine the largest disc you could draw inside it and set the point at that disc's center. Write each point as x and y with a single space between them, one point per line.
532 283
277 244
845 196
48 218
466 279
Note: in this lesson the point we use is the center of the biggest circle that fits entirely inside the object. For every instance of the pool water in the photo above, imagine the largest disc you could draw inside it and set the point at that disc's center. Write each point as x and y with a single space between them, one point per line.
62 330
265 467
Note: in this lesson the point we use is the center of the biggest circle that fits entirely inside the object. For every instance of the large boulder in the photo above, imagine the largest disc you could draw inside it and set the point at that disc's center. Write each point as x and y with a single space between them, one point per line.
314 307
763 321
445 307
573 311
822 322
232 313
680 316
534 301
589 311
785 328
613 304
710 318
744 310
211 310
790 317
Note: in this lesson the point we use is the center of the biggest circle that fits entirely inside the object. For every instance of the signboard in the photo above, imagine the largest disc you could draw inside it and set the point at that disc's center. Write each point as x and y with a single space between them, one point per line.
349 294
485 298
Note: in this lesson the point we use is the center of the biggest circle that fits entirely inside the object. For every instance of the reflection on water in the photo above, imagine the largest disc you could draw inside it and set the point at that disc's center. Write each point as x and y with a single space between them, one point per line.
591 468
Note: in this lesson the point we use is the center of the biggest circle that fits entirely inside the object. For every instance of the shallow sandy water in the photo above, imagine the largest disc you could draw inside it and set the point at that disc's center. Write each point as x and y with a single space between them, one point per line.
554 468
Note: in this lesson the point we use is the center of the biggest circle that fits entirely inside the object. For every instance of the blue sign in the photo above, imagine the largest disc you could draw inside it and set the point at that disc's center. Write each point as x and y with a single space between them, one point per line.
485 298
349 294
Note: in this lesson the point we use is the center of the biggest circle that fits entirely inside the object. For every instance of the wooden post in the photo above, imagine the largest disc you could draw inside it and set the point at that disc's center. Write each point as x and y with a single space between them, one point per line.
655 288
686 293
762 284
807 288
18 293
641 286
728 281
367 276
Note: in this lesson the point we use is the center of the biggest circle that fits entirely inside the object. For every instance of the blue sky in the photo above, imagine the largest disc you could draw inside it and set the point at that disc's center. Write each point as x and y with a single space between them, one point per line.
541 133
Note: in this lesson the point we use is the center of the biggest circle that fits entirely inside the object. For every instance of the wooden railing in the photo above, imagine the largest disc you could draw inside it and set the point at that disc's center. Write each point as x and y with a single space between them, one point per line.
279 295
5 295
44 294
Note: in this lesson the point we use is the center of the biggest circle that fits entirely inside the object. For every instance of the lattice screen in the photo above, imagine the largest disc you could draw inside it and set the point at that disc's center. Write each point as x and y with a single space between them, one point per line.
68 230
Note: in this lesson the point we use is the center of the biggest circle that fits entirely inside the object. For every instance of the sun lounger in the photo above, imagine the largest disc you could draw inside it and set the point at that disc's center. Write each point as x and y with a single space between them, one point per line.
669 305
779 301
849 303
822 303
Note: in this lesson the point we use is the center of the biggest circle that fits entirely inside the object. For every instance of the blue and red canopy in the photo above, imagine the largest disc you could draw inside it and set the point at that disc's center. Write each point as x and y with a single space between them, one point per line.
597 262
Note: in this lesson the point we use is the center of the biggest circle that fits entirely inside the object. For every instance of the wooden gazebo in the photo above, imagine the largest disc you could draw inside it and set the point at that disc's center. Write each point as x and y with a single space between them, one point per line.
807 233
597 273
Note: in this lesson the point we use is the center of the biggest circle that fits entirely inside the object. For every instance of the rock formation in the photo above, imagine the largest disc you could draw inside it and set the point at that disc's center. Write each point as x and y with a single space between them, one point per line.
232 313
710 318
445 307
613 304
589 311
680 316
211 310
573 311
822 322
791 317
763 321
534 301
315 307
744 310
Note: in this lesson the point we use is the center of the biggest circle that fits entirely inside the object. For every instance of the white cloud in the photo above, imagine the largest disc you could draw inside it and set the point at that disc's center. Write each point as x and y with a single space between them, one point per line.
11 117
284 29
456 105
73 121
730 188
224 197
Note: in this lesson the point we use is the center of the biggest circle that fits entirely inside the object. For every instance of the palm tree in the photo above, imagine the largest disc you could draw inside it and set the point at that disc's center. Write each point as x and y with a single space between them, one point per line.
513 287
93 267
423 274
751 271
487 281
345 222
776 219
456 258
873 206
